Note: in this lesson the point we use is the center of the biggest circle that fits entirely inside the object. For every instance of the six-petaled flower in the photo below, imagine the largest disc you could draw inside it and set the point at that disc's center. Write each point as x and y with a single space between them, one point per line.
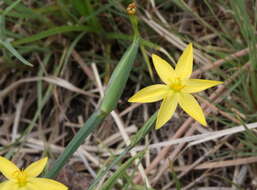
27 179
176 90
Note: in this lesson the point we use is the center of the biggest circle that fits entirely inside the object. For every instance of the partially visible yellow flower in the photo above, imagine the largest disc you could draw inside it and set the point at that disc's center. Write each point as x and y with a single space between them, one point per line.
176 90
27 179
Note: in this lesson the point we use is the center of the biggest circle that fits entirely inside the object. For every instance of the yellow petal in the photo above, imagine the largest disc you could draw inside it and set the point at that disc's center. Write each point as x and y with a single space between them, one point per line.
46 184
7 168
191 107
164 69
8 185
150 94
184 66
167 109
34 169
197 85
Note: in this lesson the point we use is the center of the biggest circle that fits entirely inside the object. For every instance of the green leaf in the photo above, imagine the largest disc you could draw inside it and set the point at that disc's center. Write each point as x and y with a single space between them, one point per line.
121 73
51 32
112 180
83 7
15 53
10 7
94 120
134 140
119 78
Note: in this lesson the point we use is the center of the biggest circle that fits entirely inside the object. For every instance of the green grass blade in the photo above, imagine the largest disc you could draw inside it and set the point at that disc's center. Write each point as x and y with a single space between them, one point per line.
111 181
148 63
85 8
2 27
22 11
51 32
15 53
10 7
134 141
95 119
248 32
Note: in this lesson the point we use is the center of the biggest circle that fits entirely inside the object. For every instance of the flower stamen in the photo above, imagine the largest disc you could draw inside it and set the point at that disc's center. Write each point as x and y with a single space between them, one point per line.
177 84
20 177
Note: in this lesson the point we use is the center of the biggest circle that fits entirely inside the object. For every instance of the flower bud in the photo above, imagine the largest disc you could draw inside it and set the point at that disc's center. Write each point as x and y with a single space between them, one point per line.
131 9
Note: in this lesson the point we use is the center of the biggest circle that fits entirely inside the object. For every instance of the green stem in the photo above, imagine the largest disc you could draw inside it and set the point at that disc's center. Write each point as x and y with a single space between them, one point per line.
95 119
134 141
134 22
112 95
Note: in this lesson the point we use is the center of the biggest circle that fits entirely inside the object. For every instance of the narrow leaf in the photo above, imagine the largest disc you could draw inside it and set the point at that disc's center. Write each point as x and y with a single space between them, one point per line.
134 140
111 181
119 78
51 32
15 53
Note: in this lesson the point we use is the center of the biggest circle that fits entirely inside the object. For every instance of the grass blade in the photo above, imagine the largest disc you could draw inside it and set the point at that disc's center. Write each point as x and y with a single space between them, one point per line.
51 32
111 181
135 139
95 119
15 53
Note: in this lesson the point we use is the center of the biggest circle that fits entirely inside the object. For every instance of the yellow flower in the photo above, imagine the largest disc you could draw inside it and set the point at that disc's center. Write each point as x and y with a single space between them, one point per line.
176 90
27 179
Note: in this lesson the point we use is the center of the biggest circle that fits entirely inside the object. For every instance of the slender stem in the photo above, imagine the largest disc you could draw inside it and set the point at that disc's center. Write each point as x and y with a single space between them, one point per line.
112 95
94 120
134 140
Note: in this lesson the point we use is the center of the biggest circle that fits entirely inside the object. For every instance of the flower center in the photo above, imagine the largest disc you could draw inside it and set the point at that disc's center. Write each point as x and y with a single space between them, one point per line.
21 178
177 84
